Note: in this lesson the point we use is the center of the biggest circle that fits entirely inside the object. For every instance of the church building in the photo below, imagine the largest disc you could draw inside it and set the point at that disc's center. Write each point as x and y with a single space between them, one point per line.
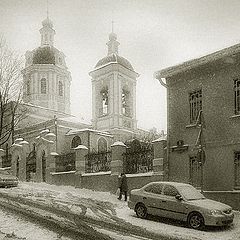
49 128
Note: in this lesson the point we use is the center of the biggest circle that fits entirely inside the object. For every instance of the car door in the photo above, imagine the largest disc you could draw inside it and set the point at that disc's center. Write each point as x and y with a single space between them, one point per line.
172 207
153 198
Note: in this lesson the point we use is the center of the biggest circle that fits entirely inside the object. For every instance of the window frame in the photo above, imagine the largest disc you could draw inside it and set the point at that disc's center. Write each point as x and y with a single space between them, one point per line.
237 170
236 83
60 88
43 86
195 105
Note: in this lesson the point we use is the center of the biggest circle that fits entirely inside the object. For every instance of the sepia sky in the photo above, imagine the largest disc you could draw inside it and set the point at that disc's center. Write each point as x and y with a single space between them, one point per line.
153 34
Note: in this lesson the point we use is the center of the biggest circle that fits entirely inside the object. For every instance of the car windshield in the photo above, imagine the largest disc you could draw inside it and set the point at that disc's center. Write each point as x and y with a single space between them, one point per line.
190 193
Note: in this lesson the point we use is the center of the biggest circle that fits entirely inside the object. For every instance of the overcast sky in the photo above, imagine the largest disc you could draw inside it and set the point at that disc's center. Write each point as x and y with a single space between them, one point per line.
153 34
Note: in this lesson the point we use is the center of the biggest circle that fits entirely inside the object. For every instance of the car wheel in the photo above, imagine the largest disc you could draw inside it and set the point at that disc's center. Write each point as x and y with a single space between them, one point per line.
141 210
195 220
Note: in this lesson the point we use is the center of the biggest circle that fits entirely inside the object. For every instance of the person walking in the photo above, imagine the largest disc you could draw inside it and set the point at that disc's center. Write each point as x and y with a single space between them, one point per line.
123 186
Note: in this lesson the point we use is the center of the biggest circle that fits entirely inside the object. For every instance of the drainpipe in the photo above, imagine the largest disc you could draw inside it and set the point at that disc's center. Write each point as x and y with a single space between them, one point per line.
162 81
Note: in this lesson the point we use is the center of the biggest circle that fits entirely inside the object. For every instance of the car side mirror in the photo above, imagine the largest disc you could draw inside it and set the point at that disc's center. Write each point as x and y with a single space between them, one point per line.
179 197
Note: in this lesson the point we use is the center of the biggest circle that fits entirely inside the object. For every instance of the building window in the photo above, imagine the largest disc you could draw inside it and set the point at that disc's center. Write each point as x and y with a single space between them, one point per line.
102 145
126 103
76 141
103 110
237 96
60 88
237 170
43 86
195 171
195 101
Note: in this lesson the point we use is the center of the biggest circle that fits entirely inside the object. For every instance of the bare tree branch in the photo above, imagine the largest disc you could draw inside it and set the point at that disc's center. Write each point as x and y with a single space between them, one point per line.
10 91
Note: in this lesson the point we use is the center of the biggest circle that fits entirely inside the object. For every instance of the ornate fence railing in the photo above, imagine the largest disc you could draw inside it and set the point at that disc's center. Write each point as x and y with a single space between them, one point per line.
7 160
139 161
98 162
65 163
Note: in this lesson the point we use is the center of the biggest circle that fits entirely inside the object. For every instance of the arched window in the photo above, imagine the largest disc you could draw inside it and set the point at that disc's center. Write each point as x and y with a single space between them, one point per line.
104 102
60 60
43 86
76 141
102 145
28 90
60 88
126 103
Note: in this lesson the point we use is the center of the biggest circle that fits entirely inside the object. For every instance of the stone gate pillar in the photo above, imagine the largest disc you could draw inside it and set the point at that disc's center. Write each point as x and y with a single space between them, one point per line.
19 150
118 149
45 146
81 152
159 155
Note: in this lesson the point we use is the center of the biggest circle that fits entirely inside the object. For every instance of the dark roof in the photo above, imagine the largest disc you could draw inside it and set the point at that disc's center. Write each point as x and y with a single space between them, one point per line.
44 55
114 58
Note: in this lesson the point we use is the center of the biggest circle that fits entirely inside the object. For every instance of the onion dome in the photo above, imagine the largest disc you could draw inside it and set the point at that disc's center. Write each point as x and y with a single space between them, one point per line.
47 23
44 55
114 58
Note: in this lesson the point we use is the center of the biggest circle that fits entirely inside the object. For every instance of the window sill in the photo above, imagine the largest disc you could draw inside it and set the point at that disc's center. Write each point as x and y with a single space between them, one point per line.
192 126
235 116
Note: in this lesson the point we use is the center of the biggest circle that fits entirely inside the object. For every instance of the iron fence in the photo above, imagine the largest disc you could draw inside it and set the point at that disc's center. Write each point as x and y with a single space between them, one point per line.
98 162
7 160
138 161
66 163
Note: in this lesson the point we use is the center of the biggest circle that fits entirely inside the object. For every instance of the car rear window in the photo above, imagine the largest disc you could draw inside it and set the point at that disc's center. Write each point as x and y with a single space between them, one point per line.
154 188
170 190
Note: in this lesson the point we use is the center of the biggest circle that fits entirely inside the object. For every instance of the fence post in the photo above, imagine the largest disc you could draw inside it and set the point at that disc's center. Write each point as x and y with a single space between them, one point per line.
159 155
81 152
52 166
118 149
2 153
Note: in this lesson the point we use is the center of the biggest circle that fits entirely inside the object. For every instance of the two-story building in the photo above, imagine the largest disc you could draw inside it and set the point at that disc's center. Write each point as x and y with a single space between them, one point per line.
203 146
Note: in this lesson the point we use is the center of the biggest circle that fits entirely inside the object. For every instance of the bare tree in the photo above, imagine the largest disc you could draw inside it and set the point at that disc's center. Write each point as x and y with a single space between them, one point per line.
10 92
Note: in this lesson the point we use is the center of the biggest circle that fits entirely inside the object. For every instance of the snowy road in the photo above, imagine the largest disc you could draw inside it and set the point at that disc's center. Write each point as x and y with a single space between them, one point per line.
100 215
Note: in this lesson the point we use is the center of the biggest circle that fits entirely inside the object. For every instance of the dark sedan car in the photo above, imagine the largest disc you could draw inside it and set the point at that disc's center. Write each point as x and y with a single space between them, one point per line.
181 202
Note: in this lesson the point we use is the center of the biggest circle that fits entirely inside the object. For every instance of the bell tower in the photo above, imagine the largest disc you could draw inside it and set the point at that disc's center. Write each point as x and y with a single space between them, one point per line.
46 79
114 91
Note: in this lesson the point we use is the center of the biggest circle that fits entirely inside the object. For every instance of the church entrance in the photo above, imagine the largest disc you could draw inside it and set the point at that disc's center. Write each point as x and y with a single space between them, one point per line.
43 166
31 165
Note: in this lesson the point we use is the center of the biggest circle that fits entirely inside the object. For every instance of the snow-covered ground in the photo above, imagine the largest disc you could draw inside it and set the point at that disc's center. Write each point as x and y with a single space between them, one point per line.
103 205
16 227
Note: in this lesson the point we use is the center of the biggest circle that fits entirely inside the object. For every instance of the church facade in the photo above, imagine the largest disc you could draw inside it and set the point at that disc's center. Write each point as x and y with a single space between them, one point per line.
47 140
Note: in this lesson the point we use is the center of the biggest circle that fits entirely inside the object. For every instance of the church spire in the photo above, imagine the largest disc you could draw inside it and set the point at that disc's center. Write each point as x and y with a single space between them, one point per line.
113 43
47 31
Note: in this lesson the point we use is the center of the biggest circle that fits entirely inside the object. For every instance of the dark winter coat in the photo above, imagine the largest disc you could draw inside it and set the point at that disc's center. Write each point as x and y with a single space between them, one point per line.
123 183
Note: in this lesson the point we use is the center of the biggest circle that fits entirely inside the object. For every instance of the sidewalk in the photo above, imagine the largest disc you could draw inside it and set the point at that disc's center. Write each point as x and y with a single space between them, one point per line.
98 202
